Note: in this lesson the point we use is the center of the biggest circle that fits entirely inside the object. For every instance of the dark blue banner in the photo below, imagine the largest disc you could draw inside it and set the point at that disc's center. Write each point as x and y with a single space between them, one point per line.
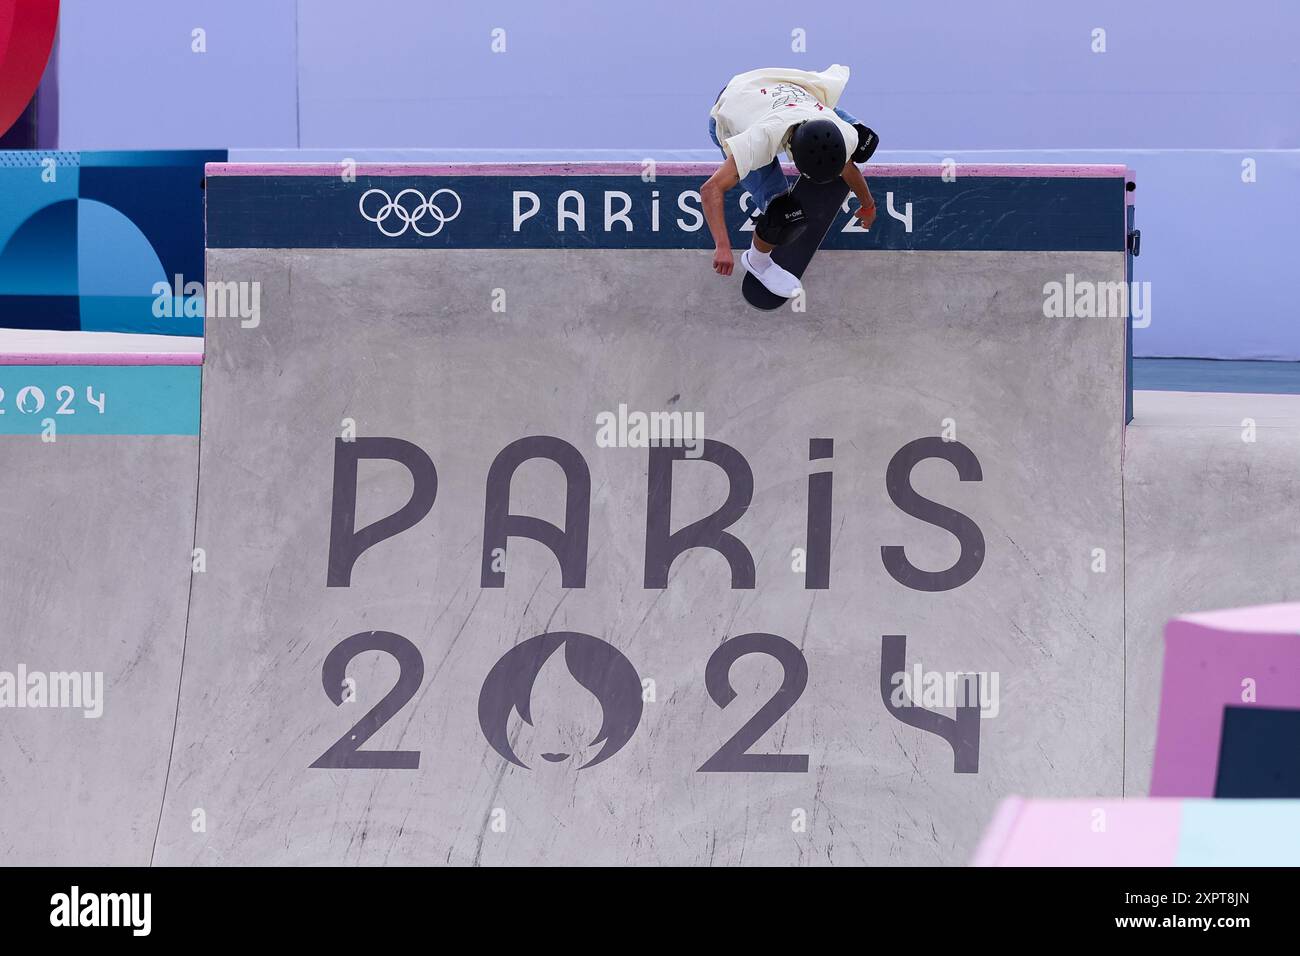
625 212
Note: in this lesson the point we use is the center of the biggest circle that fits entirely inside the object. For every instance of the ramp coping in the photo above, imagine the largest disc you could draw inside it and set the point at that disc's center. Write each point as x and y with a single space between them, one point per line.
102 358
1032 170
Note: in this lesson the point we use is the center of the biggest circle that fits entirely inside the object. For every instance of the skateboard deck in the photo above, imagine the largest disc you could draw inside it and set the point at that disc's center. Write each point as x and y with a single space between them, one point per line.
821 202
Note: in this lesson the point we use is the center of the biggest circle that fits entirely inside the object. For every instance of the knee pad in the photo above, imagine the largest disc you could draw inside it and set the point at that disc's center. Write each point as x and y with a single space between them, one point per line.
783 221
867 143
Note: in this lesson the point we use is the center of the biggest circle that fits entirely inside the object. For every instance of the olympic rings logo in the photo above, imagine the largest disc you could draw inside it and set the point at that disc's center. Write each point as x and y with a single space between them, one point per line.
409 214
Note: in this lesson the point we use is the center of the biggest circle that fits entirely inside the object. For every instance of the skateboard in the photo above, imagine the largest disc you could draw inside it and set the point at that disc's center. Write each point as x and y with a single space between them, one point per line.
821 203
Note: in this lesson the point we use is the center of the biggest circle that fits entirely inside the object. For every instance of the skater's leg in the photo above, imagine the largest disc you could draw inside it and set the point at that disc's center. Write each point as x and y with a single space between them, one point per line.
765 185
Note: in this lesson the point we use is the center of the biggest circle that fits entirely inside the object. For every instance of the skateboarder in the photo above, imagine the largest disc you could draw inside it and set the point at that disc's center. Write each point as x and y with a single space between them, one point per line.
757 116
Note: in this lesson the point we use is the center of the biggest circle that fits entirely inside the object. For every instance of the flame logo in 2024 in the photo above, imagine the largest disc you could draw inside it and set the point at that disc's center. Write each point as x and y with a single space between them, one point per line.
30 400
598 666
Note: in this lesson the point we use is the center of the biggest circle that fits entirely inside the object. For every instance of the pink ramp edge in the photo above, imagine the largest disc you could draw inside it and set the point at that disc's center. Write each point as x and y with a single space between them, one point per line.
1084 833
1084 171
1206 658
998 833
102 358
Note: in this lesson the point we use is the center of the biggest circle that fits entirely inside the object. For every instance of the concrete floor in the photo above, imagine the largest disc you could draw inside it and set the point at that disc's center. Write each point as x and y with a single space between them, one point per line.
1209 521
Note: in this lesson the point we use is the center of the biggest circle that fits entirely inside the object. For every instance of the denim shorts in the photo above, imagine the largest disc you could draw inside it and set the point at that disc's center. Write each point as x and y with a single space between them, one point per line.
767 183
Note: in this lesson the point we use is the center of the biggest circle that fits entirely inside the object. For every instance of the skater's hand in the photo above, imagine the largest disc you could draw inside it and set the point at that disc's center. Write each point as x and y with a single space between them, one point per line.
866 214
723 264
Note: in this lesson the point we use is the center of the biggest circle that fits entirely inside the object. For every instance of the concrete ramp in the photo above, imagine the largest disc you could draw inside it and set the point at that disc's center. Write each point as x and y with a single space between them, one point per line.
97 469
443 621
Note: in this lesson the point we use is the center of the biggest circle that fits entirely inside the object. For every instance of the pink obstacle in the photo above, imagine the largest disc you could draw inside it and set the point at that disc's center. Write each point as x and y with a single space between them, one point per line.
1239 658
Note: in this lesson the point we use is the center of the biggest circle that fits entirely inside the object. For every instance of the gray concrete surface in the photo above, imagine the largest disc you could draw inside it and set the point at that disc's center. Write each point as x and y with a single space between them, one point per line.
406 344
95 538
1209 522
97 533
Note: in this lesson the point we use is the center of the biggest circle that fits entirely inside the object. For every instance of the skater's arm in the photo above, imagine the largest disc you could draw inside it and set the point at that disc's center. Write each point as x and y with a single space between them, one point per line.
711 198
866 210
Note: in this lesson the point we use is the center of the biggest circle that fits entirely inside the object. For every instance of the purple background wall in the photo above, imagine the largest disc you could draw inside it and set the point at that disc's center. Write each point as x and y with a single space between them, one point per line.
128 79
942 76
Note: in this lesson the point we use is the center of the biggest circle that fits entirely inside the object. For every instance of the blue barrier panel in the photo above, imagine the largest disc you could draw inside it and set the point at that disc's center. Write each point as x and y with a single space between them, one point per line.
95 241
58 400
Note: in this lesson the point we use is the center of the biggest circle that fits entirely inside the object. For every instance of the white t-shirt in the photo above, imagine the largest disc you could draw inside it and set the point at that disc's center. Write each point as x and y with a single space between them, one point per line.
757 110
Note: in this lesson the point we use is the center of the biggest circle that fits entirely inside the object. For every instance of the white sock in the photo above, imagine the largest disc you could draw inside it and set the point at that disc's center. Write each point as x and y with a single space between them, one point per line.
760 260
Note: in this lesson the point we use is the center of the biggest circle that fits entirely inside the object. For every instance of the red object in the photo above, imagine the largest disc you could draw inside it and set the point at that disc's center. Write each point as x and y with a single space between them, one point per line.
27 29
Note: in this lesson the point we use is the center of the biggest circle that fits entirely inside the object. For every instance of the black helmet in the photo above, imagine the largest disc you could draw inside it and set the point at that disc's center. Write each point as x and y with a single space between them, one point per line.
817 148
